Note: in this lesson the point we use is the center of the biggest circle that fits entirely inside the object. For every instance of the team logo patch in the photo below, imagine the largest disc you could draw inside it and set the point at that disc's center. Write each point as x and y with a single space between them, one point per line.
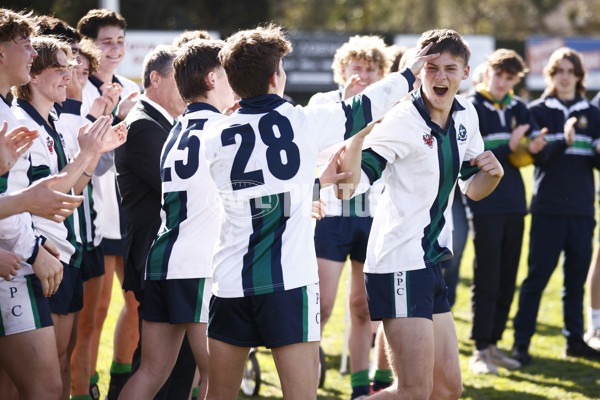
462 133
582 122
50 144
513 122
428 139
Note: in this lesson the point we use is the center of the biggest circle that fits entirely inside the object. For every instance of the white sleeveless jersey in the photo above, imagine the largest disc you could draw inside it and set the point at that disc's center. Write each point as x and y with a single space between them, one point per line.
358 206
16 231
191 210
263 160
49 155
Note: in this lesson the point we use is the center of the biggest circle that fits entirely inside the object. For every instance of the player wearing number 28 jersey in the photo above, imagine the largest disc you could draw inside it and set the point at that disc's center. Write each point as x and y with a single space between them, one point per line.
263 159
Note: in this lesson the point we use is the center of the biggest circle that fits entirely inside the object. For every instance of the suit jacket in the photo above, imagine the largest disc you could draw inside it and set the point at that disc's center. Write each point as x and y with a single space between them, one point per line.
138 175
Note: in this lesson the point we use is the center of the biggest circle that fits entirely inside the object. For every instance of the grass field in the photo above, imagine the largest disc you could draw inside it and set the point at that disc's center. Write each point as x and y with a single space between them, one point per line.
550 376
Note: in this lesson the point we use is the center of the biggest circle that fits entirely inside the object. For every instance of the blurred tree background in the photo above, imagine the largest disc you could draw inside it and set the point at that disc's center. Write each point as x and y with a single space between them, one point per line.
504 19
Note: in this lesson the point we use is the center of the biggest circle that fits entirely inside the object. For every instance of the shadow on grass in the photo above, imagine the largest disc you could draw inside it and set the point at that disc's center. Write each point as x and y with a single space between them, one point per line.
570 374
490 393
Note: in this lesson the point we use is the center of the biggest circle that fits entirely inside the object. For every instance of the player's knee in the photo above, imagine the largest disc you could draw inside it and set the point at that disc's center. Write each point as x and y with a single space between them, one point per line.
102 310
326 309
450 391
359 309
414 390
48 386
85 327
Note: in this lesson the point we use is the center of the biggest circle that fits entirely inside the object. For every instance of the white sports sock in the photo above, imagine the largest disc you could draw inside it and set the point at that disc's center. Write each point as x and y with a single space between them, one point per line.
593 319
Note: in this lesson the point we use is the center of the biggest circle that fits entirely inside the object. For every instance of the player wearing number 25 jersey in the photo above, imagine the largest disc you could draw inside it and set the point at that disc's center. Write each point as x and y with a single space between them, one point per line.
263 159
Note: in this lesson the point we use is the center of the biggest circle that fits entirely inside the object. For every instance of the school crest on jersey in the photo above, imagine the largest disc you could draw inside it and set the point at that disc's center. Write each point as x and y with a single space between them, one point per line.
62 140
50 144
582 122
462 133
513 122
428 139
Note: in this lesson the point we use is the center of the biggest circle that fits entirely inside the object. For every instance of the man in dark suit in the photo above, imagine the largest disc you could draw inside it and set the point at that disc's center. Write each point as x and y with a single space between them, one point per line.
138 176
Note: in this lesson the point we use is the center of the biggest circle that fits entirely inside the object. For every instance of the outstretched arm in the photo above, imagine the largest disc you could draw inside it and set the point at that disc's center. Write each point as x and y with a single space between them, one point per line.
40 199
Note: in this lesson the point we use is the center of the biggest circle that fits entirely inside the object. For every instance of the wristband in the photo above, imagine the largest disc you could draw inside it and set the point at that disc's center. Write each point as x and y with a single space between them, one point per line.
39 241
88 174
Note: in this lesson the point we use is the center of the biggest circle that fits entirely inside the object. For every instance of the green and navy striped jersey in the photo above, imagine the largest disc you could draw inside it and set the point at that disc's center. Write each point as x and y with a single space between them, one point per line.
421 164
262 159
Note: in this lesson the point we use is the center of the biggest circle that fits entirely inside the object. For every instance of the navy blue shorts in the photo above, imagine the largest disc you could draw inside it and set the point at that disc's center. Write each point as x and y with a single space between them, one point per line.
113 247
92 265
270 320
69 297
407 294
177 301
336 237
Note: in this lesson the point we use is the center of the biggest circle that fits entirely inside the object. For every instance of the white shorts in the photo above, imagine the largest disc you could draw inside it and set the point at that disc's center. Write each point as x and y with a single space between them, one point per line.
23 306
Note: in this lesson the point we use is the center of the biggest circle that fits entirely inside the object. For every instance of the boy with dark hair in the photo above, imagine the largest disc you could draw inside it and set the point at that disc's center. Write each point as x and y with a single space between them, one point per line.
263 158
562 208
421 148
498 220
178 281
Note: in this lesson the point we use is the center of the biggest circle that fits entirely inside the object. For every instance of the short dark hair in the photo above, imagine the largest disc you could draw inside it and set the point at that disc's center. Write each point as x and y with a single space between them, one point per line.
187 36
90 23
251 56
52 26
15 25
445 40
508 61
160 60
47 48
193 63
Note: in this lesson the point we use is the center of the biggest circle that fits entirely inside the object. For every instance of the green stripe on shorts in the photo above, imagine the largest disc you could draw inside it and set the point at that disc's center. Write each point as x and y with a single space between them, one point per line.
32 298
199 299
304 314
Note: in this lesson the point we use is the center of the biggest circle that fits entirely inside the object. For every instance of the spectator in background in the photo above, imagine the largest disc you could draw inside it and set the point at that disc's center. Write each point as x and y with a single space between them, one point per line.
499 219
562 208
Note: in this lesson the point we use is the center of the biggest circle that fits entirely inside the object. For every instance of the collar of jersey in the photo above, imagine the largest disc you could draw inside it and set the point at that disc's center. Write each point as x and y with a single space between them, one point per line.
199 107
554 102
260 104
483 90
97 82
417 99
5 101
35 115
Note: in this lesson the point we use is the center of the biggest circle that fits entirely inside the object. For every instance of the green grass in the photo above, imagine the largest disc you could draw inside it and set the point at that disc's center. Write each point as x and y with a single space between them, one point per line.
550 376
